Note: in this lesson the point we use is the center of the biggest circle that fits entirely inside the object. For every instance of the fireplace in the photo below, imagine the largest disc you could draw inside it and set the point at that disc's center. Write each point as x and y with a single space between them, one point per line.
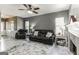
73 48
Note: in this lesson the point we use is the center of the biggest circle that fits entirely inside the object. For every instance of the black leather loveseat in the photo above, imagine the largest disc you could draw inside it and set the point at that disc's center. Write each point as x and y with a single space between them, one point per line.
21 34
42 37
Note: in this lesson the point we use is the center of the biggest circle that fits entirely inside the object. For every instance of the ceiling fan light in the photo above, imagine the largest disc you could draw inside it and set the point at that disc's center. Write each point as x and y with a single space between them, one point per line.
29 11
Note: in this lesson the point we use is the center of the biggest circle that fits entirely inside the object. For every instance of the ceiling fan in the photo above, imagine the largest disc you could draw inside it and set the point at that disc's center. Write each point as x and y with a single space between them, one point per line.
30 8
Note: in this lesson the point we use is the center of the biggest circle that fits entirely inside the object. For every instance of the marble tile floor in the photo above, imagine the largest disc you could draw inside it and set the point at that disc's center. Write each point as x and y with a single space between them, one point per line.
24 47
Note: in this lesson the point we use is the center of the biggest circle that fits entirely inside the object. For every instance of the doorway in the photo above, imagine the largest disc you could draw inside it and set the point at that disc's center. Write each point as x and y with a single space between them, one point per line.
60 26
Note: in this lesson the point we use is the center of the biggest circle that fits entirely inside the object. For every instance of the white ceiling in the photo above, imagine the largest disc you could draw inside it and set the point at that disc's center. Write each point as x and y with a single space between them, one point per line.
8 10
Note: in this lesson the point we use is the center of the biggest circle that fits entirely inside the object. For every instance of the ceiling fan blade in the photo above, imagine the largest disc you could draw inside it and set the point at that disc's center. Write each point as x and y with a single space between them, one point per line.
29 5
35 12
36 8
21 9
25 5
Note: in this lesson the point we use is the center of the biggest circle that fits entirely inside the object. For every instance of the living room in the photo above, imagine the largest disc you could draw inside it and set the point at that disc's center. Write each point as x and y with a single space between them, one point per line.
38 29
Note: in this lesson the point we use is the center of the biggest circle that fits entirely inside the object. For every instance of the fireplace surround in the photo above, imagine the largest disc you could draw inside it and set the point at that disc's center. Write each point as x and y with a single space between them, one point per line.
73 48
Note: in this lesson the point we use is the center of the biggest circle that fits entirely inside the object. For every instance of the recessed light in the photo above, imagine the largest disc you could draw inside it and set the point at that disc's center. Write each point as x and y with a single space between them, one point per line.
29 11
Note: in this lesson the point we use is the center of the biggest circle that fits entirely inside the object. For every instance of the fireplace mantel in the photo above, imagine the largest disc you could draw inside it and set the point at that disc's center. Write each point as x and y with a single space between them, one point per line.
74 37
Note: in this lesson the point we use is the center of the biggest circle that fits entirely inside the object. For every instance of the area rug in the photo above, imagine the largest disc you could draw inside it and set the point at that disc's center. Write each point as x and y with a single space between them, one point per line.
26 47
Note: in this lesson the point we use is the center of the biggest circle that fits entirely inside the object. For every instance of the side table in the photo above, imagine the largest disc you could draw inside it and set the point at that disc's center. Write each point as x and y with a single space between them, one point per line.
27 36
60 41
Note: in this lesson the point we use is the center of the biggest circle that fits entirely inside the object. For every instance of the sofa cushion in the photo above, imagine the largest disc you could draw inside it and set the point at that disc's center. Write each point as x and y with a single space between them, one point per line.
41 34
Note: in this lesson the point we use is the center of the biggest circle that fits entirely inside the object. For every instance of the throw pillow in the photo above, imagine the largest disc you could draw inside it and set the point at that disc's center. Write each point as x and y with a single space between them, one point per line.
36 33
49 34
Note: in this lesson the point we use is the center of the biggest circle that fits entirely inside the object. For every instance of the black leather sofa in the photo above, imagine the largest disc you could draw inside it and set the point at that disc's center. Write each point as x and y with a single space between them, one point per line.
42 37
21 34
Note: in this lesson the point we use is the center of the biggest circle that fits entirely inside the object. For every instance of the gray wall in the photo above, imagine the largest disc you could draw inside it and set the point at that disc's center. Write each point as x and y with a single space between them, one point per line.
47 21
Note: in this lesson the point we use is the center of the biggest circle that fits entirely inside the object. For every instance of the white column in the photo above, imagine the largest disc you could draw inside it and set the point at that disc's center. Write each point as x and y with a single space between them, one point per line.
0 31
2 47
0 25
2 44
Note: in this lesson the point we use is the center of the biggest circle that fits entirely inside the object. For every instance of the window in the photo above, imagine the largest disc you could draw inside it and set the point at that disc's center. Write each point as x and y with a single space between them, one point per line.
7 26
60 26
2 26
27 25
12 25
